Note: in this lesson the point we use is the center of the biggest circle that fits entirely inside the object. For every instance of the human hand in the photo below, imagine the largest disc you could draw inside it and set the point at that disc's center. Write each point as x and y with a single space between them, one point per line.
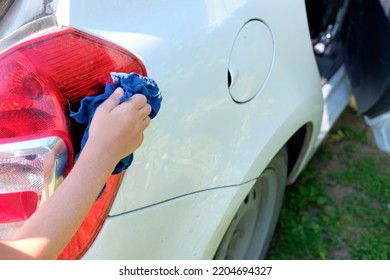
117 129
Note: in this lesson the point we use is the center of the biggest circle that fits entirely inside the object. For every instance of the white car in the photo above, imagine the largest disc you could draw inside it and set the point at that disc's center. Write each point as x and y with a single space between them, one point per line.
250 89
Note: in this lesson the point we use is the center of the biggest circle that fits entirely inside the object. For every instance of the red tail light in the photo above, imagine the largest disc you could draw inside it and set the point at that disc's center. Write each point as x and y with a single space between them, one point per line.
17 206
39 79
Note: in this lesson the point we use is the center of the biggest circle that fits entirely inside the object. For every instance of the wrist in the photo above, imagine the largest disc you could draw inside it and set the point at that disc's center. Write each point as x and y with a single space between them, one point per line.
102 159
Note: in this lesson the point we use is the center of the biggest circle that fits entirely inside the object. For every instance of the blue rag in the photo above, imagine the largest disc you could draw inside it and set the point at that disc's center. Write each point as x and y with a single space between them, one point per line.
131 83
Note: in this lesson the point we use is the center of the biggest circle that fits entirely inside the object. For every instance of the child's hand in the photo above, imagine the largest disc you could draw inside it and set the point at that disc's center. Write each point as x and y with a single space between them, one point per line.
117 129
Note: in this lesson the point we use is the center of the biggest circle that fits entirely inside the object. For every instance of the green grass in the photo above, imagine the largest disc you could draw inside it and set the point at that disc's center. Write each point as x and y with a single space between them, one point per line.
339 208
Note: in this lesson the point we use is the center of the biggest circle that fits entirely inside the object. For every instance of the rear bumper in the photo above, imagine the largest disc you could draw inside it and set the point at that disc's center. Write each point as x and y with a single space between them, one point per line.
189 227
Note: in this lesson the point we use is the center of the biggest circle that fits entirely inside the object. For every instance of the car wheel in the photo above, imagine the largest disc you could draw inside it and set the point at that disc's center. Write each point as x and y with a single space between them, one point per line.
249 233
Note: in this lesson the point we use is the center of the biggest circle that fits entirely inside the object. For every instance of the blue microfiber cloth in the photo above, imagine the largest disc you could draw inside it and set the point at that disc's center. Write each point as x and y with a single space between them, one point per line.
131 83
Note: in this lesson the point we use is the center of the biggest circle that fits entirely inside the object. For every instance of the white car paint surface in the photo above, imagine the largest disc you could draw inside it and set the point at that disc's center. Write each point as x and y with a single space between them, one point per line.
203 144
215 136
202 139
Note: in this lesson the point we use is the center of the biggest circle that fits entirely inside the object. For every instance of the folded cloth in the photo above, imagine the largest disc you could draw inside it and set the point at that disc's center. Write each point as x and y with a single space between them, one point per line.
131 83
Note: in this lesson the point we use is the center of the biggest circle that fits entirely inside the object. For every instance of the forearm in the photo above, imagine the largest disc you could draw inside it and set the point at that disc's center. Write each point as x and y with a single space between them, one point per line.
65 210
115 132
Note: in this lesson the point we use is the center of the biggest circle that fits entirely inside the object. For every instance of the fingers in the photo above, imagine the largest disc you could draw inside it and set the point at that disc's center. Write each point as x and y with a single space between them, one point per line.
146 122
145 110
138 102
113 100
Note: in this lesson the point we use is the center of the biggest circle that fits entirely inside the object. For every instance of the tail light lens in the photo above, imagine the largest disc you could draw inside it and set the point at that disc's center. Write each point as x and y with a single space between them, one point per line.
29 172
39 80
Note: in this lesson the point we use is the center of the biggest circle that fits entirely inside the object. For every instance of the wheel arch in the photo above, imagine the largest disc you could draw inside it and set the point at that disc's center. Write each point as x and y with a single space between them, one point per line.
297 148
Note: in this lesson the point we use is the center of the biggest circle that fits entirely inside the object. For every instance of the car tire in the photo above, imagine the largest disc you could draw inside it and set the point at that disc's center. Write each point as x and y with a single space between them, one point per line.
250 232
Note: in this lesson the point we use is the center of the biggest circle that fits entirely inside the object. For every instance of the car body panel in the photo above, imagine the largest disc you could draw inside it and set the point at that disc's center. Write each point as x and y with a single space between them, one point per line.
189 227
202 139
204 151
19 13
